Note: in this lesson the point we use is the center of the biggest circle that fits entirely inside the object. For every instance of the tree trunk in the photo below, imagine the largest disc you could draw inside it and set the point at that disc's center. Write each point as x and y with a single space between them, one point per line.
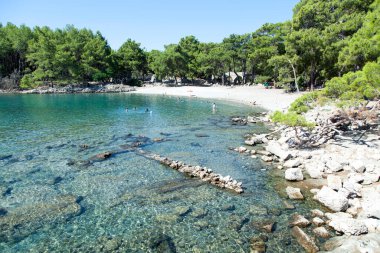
253 75
312 77
295 75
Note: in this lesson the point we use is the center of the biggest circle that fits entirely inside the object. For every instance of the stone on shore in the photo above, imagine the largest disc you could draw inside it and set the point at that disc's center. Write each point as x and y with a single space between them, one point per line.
346 244
333 166
294 174
348 226
371 205
294 193
334 182
267 158
292 163
315 170
358 166
304 240
332 199
276 149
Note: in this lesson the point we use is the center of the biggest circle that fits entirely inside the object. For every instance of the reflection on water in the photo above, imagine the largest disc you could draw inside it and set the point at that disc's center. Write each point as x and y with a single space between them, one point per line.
55 196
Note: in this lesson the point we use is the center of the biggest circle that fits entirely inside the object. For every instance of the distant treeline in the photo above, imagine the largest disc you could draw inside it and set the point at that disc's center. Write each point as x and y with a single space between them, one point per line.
324 39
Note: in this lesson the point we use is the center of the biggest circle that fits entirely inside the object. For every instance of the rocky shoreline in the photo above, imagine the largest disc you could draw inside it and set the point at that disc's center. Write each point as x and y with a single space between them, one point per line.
108 88
338 163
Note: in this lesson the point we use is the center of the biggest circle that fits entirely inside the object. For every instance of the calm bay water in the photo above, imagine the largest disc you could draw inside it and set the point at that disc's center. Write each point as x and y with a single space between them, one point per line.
56 198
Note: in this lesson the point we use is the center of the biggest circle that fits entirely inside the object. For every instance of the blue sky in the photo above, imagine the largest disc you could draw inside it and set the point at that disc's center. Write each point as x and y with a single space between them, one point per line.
153 23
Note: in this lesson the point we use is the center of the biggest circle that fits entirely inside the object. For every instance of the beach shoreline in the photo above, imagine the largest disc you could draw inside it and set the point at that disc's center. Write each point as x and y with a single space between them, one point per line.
269 99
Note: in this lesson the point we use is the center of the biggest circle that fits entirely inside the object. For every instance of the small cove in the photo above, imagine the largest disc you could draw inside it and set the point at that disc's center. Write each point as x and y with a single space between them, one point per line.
56 202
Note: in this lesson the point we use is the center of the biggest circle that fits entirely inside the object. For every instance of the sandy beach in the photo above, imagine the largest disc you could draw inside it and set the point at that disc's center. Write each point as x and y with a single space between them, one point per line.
270 99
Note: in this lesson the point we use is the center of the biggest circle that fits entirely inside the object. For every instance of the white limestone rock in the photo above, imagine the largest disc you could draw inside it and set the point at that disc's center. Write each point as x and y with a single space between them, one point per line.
334 182
358 166
371 205
333 166
348 226
315 170
294 174
276 149
332 199
292 163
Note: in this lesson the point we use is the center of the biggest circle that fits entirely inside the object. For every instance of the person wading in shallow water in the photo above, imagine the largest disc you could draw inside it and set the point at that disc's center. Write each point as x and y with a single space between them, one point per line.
213 107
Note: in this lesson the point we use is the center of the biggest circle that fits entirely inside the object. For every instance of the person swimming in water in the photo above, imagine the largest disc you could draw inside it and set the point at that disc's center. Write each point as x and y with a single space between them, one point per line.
126 109
147 110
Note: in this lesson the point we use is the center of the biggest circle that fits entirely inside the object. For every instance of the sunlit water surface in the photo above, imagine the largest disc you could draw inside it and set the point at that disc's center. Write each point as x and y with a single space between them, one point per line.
55 198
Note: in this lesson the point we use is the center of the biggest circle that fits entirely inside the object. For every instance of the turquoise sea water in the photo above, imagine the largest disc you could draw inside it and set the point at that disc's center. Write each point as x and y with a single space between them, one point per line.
55 197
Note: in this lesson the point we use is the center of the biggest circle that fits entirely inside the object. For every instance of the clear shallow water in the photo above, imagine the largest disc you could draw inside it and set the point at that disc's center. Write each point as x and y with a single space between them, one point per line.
54 199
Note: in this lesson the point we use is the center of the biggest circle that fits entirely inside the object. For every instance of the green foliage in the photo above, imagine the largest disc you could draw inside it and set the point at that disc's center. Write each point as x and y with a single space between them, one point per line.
364 84
291 119
262 79
305 102
132 60
323 40
27 82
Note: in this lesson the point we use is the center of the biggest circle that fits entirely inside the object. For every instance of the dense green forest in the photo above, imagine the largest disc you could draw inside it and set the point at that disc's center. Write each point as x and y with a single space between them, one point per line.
332 43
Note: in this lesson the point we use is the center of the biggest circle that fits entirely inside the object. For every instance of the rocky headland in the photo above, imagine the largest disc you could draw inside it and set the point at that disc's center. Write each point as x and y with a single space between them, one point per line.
336 164
107 88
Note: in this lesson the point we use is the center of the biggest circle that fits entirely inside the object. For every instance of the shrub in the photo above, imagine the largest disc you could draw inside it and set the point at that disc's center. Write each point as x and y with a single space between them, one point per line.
134 82
305 102
360 85
291 119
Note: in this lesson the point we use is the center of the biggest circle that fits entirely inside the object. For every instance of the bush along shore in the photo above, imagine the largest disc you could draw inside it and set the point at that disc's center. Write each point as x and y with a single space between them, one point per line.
333 156
107 88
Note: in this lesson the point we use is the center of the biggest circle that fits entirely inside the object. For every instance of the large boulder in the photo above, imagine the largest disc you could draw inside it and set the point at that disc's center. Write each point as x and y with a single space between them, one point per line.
363 243
294 174
348 226
332 199
276 149
334 182
371 205
315 170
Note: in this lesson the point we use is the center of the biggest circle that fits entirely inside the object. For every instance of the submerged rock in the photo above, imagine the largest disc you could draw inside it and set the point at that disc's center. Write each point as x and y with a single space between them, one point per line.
294 193
257 245
304 240
317 221
321 232
25 220
299 220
